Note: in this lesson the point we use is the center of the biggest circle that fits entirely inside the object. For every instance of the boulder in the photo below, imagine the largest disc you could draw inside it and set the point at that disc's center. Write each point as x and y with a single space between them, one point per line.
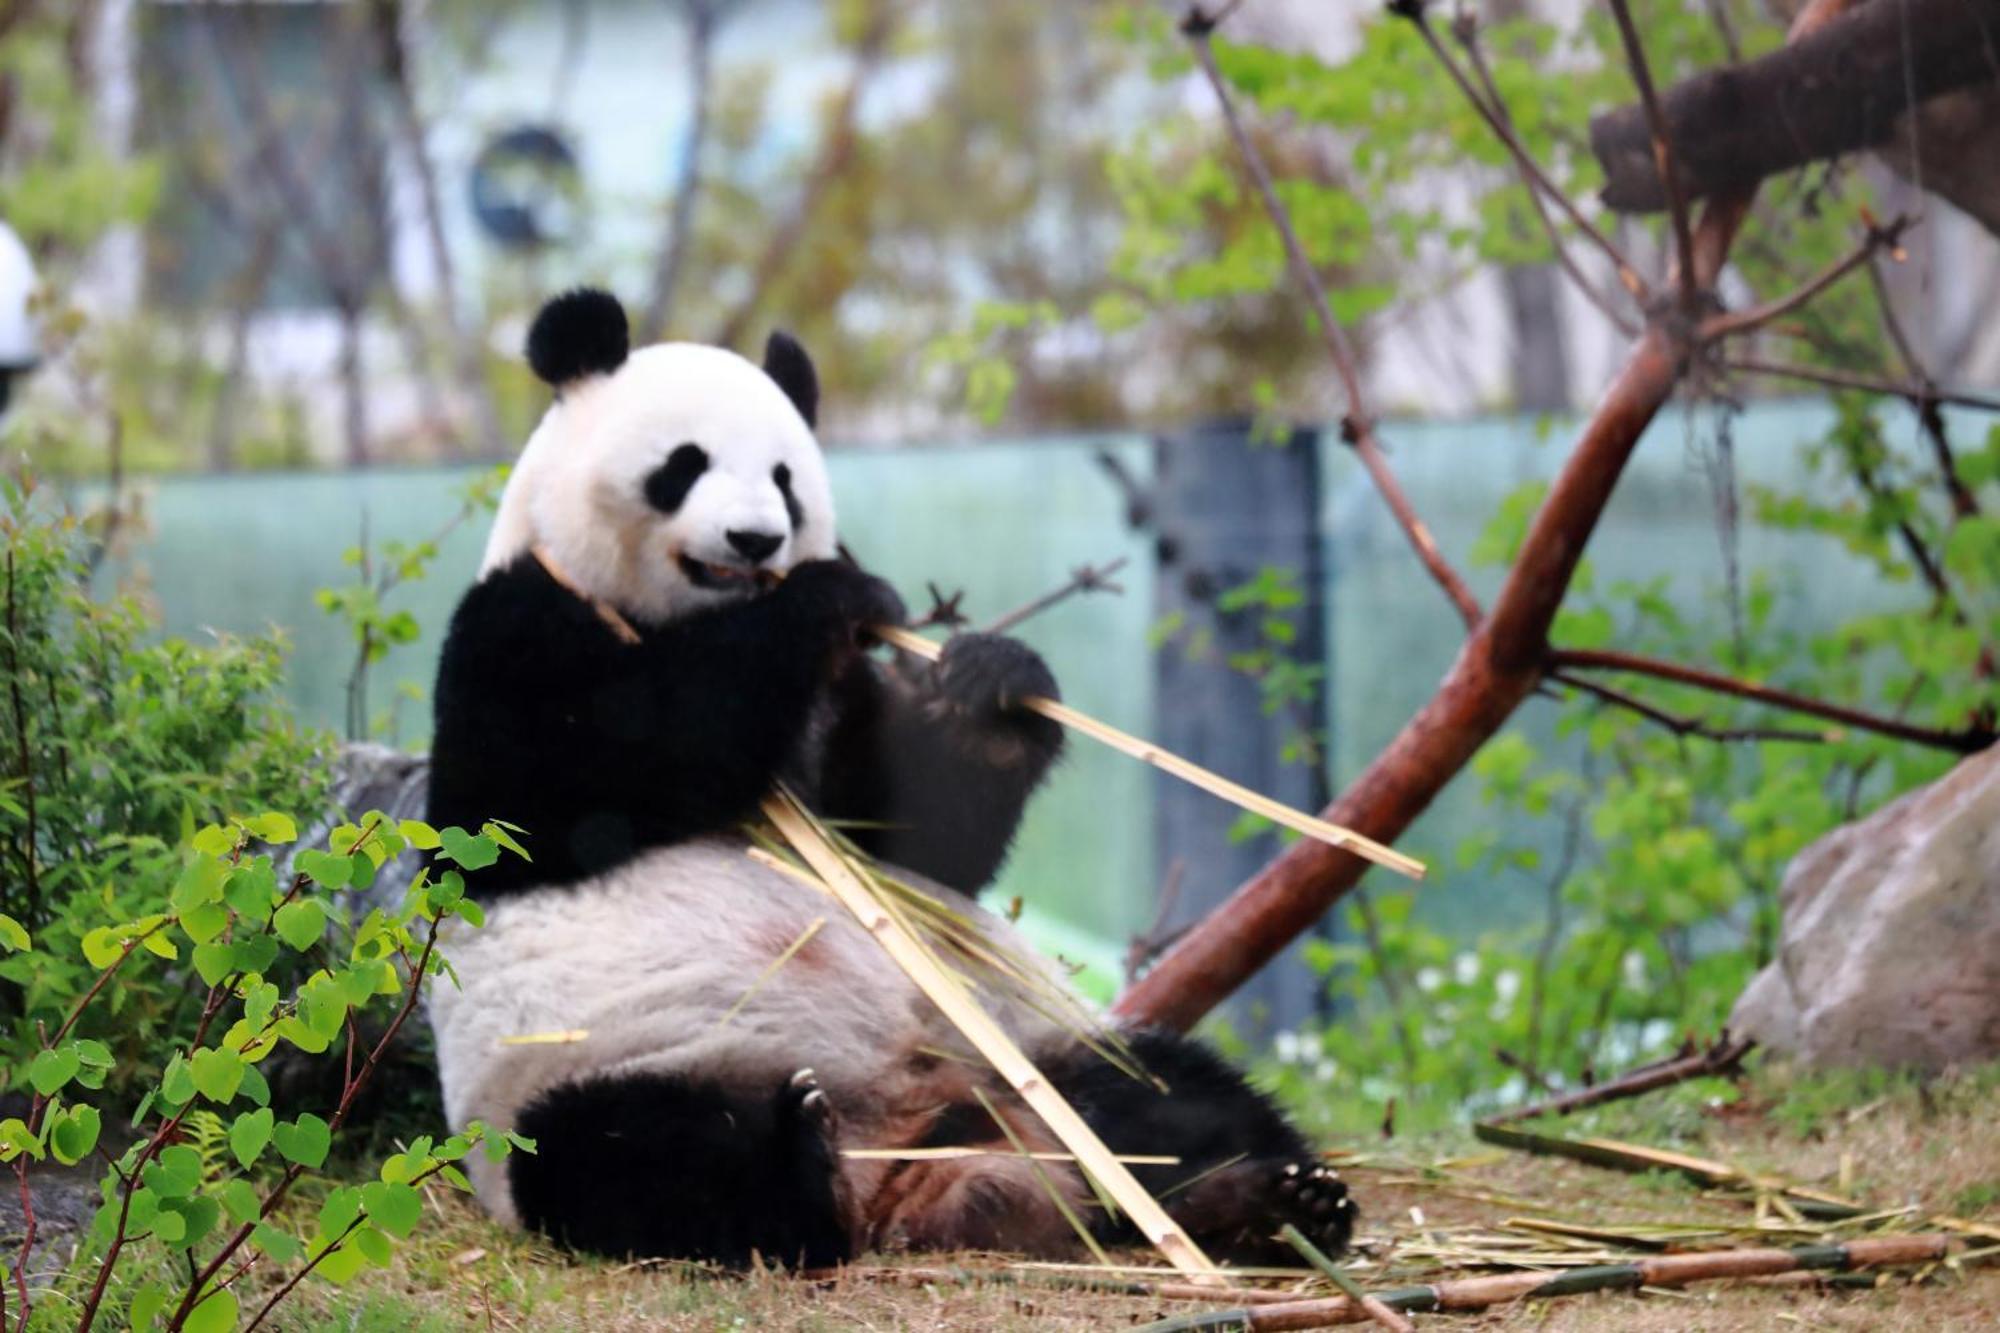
1889 953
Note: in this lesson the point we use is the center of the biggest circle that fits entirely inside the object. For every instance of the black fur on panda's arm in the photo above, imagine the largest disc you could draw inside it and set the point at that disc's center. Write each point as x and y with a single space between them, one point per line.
938 767
602 749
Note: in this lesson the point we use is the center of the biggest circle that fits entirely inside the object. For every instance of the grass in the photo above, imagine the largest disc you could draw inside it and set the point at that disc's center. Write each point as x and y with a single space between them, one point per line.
1893 1142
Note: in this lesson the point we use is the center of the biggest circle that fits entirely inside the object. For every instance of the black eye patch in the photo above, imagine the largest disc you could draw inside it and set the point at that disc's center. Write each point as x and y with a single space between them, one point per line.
783 476
669 483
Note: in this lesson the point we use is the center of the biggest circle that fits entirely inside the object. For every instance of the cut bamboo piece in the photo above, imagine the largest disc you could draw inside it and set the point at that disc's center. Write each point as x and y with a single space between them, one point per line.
989 1039
1187 771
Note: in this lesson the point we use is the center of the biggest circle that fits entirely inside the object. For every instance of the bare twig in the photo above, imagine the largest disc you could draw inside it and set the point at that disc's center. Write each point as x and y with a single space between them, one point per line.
1847 379
1963 503
1742 321
1357 428
1663 156
1724 1057
1958 742
1084 578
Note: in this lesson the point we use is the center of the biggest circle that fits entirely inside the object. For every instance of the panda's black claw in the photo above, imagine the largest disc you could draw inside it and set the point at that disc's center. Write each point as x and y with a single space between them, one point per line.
1312 1197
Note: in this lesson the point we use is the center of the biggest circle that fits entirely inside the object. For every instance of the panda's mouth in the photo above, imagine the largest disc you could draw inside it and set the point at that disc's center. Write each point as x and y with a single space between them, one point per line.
726 578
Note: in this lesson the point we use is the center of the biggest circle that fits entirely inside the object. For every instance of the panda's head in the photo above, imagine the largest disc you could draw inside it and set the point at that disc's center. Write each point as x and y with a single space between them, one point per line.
670 478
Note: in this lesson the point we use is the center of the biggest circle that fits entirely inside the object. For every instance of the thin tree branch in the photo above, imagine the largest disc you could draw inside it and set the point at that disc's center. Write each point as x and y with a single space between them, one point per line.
1845 379
1688 726
701 24
1958 742
466 353
1663 154
1466 29
1084 578
1963 503
1357 427
1493 110
1742 321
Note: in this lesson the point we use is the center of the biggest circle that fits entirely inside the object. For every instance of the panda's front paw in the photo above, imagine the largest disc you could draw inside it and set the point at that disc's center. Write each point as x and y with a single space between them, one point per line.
843 597
986 675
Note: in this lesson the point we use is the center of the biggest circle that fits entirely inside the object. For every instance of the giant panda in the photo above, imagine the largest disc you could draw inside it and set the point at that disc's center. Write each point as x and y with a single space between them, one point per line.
688 1099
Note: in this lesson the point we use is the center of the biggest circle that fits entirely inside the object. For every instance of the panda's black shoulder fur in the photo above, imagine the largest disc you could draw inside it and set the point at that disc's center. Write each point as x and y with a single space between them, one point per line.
602 749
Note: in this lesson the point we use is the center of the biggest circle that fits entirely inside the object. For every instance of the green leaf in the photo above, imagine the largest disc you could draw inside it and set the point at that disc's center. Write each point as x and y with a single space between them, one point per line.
249 1134
177 1083
472 852
13 935
218 1074
199 1214
396 1208
272 827
339 1212
51 1069
373 1246
304 1141
281 1246
327 869
498 832
175 1173
252 889
74 1134
212 961
239 1199
200 882
254 955
205 922
217 1313
146 1305
103 946
301 924
419 834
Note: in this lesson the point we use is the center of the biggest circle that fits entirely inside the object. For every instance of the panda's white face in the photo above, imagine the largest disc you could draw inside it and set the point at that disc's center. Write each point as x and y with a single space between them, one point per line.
683 478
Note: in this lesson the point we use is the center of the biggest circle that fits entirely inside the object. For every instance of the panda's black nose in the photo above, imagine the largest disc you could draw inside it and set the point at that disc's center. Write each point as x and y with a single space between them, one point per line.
754 546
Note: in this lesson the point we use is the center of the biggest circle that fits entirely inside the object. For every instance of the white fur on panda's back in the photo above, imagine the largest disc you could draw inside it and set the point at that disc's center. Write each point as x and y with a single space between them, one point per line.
647 961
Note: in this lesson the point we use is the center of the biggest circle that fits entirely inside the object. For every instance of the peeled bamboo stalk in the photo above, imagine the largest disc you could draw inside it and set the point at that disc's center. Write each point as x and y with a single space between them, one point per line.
989 1039
1479 1293
1214 783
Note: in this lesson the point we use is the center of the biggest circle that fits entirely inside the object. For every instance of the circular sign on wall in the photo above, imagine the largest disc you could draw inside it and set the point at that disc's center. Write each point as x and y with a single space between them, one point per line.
527 189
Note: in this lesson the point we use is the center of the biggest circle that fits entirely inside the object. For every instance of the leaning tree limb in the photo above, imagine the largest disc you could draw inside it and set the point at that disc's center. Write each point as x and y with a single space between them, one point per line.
1839 89
1504 658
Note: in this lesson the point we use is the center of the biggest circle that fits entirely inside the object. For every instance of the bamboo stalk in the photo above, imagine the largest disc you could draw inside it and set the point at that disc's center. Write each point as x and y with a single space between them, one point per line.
1479 1293
1370 1306
1187 771
988 1038
1634 1157
953 1154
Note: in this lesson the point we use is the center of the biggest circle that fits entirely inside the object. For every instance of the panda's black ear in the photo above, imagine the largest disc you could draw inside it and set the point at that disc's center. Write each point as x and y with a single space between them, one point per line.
579 333
787 363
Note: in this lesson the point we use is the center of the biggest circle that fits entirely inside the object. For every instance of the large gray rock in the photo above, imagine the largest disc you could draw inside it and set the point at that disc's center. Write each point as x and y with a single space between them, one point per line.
1889 953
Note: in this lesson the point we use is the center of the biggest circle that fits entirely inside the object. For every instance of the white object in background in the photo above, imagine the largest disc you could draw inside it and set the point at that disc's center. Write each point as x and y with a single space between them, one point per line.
20 339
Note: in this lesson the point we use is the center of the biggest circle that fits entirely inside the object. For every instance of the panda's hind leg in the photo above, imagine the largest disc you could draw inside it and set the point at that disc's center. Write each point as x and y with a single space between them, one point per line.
1244 1171
660 1165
